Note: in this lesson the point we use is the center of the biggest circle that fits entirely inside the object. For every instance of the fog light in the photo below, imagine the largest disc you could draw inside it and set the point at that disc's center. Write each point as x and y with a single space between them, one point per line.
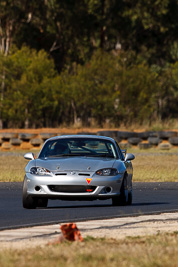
37 188
106 190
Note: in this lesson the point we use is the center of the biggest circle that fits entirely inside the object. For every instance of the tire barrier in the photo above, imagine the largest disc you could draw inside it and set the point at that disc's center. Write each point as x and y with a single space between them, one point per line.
7 136
26 136
154 141
166 135
143 140
15 141
45 136
112 134
134 140
125 135
146 135
6 146
173 141
36 142
165 146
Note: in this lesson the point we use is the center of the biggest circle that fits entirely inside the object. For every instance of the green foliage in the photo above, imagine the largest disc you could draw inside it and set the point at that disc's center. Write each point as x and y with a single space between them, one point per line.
109 87
116 61
175 76
138 87
30 76
105 88
151 28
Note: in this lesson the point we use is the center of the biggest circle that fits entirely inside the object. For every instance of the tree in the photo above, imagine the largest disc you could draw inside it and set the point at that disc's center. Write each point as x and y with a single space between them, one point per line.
91 89
30 74
152 27
137 87
13 16
106 89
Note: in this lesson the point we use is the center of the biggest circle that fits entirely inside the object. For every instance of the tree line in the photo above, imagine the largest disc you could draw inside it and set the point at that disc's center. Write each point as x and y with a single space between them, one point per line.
62 62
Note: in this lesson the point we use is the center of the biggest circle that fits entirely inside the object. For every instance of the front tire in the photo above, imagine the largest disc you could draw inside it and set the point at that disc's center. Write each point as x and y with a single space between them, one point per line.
42 202
130 197
28 202
123 198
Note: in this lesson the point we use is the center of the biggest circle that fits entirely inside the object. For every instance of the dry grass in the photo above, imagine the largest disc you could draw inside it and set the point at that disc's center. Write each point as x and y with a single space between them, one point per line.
160 250
155 166
12 168
167 125
149 166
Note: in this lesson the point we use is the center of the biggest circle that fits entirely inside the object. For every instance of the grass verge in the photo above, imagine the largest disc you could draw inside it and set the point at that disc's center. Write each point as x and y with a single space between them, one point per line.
160 250
155 165
151 165
12 168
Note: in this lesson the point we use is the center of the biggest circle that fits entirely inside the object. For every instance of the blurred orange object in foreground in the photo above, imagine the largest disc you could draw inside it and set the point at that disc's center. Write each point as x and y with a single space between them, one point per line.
71 232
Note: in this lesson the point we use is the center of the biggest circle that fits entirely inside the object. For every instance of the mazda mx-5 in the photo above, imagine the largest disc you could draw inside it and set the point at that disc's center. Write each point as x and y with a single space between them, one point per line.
78 167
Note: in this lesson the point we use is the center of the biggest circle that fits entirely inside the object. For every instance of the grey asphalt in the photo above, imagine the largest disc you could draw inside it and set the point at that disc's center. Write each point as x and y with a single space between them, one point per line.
149 198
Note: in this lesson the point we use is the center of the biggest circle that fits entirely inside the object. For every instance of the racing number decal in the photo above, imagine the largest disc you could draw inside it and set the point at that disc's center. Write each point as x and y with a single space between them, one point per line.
88 180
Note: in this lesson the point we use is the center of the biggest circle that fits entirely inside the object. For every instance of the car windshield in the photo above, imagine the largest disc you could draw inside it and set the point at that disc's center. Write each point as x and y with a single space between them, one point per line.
89 147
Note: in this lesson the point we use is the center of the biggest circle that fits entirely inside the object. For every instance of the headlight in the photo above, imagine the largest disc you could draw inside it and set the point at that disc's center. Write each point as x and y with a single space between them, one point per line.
107 172
39 171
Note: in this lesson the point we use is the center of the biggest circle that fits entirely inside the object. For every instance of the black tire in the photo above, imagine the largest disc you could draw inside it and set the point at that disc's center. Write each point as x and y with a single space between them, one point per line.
112 134
36 141
166 135
154 141
134 141
125 135
122 199
173 141
130 197
28 201
26 136
42 202
15 142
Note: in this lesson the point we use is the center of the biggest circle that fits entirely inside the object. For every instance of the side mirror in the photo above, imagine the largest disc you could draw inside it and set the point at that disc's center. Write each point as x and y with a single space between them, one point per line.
129 156
29 156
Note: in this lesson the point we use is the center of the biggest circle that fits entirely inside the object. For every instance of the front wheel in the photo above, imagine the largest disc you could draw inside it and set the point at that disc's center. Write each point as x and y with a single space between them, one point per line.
28 201
124 197
130 196
42 202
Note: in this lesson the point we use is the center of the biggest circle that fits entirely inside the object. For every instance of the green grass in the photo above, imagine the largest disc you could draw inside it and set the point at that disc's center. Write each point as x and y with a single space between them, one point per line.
151 165
158 250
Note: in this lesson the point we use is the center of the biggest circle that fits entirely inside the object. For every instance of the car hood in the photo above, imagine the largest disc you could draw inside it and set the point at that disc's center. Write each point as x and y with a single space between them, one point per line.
75 164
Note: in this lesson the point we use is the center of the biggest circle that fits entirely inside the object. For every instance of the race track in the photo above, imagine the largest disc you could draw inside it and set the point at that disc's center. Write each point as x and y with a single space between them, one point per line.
149 198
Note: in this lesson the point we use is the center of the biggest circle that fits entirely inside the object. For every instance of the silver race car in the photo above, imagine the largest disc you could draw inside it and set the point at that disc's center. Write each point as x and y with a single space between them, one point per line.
78 167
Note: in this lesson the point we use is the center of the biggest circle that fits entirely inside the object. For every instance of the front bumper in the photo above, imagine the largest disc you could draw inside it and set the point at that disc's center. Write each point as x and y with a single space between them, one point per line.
73 186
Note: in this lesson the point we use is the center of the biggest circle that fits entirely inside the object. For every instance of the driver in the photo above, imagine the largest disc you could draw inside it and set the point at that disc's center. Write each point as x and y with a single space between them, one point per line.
61 148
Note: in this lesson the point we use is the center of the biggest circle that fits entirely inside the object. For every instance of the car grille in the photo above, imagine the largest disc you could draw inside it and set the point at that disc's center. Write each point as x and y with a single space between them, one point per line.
72 188
84 174
64 173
